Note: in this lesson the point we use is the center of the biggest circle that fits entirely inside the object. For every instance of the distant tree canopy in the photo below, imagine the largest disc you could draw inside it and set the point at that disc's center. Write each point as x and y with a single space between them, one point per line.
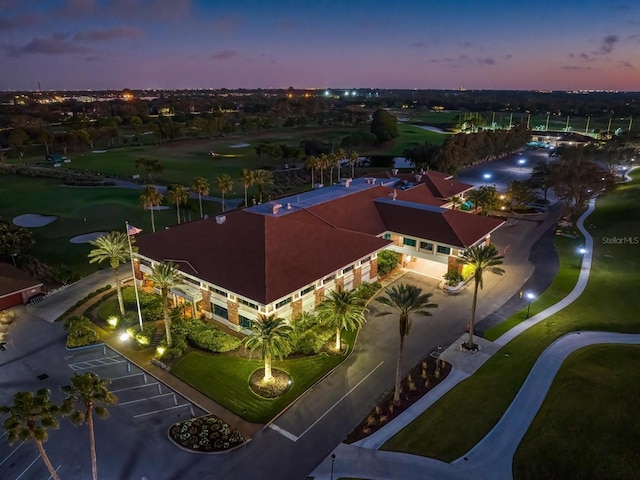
384 125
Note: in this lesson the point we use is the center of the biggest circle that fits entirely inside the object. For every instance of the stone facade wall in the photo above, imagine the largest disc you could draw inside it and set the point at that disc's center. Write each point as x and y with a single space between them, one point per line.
319 294
136 270
373 273
232 309
357 277
339 283
296 308
204 305
453 265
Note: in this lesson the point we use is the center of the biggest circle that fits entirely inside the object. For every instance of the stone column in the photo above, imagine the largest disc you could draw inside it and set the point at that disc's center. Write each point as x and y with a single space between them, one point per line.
204 305
357 277
373 273
296 308
453 265
232 310
319 295
339 282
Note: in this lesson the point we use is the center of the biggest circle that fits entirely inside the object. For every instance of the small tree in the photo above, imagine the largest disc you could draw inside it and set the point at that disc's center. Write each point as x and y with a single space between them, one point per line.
224 184
112 247
200 186
91 394
177 194
151 198
247 180
164 276
30 418
262 178
273 336
341 310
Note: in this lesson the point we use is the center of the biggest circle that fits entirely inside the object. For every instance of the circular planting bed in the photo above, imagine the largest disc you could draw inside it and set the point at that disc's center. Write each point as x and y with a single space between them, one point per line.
205 434
276 387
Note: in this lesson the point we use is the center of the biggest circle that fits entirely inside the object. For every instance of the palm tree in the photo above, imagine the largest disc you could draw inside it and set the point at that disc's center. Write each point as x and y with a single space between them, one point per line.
224 184
150 199
405 299
272 335
177 194
30 417
342 310
247 180
312 165
114 248
353 159
339 157
262 178
332 161
456 201
200 186
91 393
481 258
323 162
164 276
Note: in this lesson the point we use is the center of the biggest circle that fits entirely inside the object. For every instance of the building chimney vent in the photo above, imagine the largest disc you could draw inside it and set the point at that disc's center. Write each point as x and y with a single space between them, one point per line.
288 206
394 172
275 208
418 178
220 219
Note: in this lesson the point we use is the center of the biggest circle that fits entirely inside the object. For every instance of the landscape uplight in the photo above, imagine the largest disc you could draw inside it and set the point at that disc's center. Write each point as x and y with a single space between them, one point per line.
582 251
124 337
113 321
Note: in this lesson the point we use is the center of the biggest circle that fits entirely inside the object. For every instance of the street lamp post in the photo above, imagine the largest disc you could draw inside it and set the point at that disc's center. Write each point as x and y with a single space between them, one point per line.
13 257
530 298
333 459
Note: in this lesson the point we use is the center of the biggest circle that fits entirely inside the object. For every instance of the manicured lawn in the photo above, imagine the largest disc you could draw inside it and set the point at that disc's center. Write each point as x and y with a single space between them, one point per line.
225 379
79 211
466 414
572 433
564 282
410 136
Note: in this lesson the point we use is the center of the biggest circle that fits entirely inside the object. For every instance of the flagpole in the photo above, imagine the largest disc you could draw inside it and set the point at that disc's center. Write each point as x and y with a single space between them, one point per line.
133 271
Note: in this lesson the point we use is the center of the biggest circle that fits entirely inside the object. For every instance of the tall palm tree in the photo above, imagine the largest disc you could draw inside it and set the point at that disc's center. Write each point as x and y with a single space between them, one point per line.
29 418
262 178
247 180
112 247
340 155
405 299
177 194
164 276
200 186
481 258
323 162
272 335
91 393
151 198
312 165
342 310
332 161
224 184
353 159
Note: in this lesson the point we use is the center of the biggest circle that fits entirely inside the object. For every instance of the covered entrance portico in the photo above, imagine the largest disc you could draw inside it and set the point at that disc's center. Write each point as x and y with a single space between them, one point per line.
187 296
434 267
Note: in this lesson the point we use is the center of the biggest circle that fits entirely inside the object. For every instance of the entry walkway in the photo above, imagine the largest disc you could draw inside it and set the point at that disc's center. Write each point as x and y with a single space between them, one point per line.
492 457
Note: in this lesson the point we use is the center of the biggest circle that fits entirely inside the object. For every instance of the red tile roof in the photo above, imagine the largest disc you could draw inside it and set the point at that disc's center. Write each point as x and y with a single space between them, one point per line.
440 185
259 257
14 280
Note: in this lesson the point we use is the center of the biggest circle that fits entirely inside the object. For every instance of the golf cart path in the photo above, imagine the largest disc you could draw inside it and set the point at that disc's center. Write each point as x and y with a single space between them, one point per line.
492 457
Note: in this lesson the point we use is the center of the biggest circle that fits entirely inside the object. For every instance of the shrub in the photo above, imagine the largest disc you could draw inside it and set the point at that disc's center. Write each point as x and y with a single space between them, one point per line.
150 304
80 332
208 337
452 278
366 290
387 261
312 340
143 338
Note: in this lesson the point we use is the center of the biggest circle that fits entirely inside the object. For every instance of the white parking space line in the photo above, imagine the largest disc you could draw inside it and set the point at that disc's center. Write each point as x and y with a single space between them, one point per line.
14 451
128 376
25 470
283 432
164 410
4 435
147 398
137 386
341 398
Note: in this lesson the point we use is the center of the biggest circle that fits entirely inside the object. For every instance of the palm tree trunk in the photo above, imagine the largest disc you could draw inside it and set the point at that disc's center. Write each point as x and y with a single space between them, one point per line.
222 200
396 392
167 320
312 182
267 368
46 460
246 201
153 223
200 202
338 340
331 176
473 316
178 210
119 289
92 442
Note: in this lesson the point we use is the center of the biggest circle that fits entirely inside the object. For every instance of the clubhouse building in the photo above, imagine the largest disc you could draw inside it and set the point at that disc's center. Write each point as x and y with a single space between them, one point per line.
282 257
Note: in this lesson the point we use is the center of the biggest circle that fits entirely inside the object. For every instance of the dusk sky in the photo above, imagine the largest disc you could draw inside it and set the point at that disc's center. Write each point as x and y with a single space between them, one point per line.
478 44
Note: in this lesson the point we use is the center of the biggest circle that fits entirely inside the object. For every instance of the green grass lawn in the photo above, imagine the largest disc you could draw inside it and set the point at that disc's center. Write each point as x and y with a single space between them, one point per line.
225 379
79 211
465 415
561 286
575 422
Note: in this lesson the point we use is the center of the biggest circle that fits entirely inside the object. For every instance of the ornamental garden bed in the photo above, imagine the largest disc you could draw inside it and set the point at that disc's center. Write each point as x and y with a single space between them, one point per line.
206 434
420 380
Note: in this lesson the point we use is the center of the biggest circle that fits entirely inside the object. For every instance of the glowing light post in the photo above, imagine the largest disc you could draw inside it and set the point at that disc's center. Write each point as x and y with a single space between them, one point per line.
530 298
131 230
581 251
521 162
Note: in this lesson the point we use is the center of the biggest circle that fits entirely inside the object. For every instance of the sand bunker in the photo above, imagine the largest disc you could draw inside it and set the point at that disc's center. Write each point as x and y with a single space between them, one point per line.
158 207
99 151
240 145
32 220
87 237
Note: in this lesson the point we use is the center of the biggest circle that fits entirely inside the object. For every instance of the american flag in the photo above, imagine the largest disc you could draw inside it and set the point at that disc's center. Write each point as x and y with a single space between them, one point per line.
131 230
